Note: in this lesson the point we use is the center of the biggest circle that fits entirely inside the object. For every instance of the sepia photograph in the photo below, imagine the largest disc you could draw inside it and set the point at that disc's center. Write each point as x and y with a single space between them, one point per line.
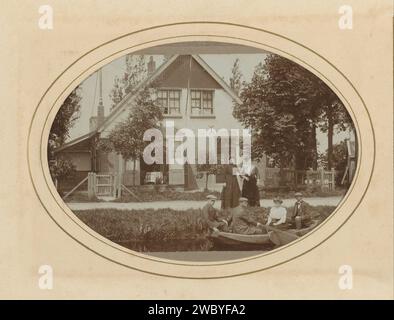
198 157
202 151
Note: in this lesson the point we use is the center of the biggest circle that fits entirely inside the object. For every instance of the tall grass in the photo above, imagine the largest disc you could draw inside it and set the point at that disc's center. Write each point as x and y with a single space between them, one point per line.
163 229
147 224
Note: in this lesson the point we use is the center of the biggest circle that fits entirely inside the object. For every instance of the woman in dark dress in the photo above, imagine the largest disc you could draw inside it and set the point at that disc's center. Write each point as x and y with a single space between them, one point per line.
250 190
231 191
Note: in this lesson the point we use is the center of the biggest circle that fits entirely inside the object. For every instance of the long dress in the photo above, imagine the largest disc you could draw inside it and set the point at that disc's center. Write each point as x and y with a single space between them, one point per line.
231 191
249 187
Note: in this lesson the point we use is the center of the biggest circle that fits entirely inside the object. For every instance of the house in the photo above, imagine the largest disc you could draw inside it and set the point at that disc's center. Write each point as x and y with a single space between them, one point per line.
191 94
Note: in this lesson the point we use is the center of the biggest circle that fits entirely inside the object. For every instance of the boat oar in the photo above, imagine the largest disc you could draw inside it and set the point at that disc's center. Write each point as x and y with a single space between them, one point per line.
281 237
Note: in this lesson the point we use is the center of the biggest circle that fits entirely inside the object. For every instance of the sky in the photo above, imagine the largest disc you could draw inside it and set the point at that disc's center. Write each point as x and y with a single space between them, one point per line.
220 63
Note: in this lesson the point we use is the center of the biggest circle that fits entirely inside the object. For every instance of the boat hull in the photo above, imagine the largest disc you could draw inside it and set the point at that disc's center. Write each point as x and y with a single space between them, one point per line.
234 239
282 237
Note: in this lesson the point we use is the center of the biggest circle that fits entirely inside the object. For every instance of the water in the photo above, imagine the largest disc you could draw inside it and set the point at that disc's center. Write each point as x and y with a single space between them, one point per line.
186 245
167 246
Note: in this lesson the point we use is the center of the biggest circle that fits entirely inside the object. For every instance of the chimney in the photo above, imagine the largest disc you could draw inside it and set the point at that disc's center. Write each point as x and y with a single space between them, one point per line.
100 113
96 121
151 66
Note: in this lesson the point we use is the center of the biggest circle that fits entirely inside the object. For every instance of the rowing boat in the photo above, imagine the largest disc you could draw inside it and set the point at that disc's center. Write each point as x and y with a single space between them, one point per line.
282 237
303 231
227 238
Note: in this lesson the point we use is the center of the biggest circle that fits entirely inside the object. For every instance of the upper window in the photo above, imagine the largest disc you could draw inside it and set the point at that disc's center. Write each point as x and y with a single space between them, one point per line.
170 101
202 102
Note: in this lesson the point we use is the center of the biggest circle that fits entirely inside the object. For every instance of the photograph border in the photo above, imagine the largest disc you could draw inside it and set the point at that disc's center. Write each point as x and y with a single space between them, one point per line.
43 161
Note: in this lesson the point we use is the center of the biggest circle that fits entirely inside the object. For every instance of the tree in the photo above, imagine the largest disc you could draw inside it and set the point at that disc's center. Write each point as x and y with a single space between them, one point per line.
334 117
284 105
208 169
338 160
269 108
116 94
127 136
236 76
136 72
61 168
68 113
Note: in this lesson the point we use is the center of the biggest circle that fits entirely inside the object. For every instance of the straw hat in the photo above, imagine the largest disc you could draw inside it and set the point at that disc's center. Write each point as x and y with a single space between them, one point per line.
278 200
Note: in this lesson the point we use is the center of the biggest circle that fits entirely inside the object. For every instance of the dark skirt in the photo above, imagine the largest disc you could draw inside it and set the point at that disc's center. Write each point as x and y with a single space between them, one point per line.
251 192
230 192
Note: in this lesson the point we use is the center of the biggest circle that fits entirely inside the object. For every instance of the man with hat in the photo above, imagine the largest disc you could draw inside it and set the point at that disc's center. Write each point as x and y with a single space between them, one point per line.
211 215
277 213
242 222
301 216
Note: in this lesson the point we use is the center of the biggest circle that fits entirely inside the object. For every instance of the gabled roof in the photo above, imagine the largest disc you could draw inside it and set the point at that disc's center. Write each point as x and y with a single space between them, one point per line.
122 105
76 141
218 79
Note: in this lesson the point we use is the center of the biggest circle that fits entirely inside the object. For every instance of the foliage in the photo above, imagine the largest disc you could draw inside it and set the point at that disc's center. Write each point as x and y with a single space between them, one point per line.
65 118
163 229
144 229
117 92
339 160
134 74
334 117
127 137
284 104
236 77
61 168
209 169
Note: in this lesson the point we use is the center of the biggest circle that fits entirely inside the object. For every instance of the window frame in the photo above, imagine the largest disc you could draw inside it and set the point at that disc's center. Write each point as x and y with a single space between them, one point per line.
170 96
202 100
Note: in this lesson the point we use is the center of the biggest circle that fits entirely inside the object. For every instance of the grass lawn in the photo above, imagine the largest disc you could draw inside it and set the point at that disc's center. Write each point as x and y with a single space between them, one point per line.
163 229
166 194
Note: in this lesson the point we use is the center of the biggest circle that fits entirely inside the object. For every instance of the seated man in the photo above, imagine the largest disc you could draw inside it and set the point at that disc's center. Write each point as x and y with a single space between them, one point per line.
242 222
301 217
212 217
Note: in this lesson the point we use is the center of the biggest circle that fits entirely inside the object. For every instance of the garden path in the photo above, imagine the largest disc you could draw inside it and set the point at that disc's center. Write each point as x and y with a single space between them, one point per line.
183 205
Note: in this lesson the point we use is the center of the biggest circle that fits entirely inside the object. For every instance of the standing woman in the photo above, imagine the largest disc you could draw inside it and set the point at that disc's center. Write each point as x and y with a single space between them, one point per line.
250 190
231 191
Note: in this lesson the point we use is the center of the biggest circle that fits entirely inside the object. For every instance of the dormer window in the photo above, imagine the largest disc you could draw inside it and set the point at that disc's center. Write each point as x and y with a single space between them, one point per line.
170 101
202 102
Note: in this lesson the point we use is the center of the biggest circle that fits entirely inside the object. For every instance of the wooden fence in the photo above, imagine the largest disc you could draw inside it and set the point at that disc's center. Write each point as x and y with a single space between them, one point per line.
107 184
321 177
102 185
